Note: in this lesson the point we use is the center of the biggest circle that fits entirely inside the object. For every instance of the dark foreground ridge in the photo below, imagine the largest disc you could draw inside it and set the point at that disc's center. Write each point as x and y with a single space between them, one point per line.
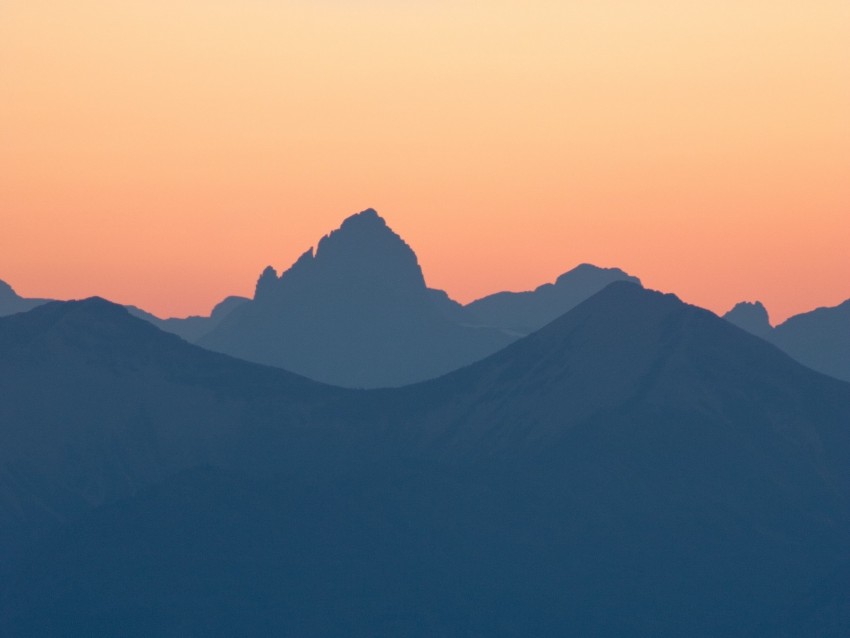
637 467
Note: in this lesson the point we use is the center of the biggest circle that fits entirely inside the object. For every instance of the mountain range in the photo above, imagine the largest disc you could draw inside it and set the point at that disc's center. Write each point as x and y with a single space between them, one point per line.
356 312
189 328
636 467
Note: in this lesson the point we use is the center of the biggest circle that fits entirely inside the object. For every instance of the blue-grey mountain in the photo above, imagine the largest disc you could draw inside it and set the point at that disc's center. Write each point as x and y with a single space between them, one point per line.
11 302
190 328
752 317
524 312
355 312
636 467
819 339
196 326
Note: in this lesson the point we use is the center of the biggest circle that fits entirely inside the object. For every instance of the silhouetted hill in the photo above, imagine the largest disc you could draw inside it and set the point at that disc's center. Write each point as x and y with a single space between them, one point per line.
819 339
637 467
525 312
11 302
354 313
752 317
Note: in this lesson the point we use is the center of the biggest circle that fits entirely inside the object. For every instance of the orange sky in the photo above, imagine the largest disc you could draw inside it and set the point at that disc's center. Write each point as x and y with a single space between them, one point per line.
162 153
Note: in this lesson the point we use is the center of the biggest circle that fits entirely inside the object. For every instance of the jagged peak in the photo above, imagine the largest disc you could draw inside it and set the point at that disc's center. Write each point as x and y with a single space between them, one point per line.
370 216
750 316
266 282
751 310
363 252
306 257
365 225
756 305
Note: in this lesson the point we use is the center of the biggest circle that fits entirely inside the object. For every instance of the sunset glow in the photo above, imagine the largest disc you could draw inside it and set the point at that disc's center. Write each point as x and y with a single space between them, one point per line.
162 153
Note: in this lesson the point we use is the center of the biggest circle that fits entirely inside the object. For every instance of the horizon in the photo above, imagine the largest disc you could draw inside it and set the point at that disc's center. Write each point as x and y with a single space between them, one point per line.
701 148
279 270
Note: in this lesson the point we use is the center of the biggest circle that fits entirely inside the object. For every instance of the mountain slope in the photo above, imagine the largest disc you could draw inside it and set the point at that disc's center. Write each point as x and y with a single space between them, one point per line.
356 313
637 467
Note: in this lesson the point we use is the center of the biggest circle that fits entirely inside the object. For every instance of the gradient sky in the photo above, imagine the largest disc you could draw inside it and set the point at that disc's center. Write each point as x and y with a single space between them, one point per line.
162 153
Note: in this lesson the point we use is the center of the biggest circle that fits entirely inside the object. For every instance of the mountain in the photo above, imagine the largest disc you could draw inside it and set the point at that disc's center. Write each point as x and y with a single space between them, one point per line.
524 312
752 317
11 302
819 339
636 467
98 404
191 328
355 312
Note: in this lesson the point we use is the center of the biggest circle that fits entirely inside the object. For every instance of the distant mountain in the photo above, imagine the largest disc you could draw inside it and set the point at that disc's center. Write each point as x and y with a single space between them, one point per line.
525 312
356 312
191 328
752 317
636 467
819 339
11 302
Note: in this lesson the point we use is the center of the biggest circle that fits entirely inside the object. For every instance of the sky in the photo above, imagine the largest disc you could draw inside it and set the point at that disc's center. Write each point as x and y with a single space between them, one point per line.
162 153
